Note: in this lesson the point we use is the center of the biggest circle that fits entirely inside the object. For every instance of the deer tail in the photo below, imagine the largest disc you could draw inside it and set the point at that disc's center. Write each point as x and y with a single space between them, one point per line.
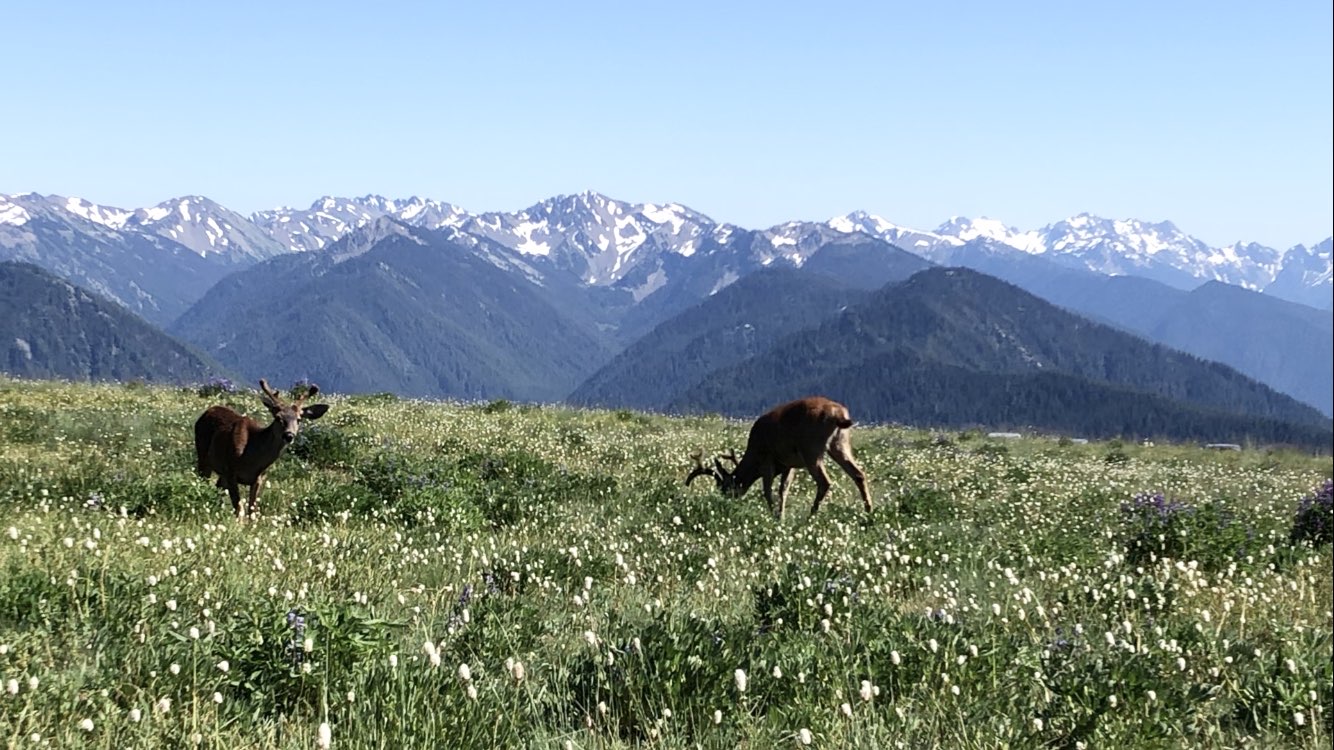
839 416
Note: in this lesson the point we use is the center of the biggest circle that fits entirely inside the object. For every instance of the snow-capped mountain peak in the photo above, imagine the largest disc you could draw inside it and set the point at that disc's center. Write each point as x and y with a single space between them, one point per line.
966 230
205 227
13 214
912 240
597 238
104 215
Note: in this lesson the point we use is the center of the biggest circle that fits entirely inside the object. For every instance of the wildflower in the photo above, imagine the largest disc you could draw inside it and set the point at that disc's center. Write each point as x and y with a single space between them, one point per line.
163 705
393 661
895 658
846 709
135 715
717 717
224 666
778 672
471 692
12 686
326 736
86 725
194 633
174 669
517 672
804 735
1299 719
740 680
217 698
1037 723
465 672
866 691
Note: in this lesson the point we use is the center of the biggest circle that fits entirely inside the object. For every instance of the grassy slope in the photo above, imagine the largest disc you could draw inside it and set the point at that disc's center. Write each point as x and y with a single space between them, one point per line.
999 569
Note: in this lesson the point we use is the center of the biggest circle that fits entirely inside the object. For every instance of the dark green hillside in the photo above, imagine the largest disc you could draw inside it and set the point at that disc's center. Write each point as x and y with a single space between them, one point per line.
740 321
1285 345
857 261
406 311
952 346
50 328
863 262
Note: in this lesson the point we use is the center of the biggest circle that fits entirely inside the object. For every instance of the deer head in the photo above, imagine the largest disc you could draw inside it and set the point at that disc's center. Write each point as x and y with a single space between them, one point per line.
290 415
724 478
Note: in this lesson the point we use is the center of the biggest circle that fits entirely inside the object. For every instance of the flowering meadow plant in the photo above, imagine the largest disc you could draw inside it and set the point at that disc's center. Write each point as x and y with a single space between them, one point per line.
1314 521
464 575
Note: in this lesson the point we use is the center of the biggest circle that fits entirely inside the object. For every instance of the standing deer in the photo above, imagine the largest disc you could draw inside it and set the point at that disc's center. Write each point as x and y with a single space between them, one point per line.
240 449
796 434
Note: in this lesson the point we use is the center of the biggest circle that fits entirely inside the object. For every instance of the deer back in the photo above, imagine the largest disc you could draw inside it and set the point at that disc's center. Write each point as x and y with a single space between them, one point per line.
225 435
789 434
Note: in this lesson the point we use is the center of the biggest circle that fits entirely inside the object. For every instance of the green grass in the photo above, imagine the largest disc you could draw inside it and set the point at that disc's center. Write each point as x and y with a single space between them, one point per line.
999 595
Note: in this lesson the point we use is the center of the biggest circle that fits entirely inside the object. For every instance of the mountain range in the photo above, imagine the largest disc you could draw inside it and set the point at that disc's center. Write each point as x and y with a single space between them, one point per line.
423 298
625 246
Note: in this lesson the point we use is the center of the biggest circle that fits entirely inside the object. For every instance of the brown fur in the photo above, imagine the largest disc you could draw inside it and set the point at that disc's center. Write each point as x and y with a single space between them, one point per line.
795 435
240 450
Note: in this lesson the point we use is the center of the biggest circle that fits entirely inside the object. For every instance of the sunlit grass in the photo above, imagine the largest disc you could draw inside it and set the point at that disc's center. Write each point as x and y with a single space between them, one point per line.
999 595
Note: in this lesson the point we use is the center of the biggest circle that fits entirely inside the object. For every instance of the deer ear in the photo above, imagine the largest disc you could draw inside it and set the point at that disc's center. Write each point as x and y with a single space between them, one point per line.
314 412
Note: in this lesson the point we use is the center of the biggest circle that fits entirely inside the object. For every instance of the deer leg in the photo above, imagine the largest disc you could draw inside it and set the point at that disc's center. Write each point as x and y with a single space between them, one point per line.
234 492
783 479
768 480
841 451
252 507
816 469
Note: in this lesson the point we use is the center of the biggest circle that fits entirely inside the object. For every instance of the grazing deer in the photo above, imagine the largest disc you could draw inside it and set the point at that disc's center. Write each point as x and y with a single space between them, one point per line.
796 434
240 449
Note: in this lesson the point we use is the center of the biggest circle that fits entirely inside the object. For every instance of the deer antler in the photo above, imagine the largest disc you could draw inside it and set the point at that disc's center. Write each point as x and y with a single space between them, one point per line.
264 386
270 396
310 391
700 469
731 456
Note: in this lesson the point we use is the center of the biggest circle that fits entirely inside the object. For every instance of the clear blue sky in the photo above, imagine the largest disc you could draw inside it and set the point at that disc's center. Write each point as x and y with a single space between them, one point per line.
1215 115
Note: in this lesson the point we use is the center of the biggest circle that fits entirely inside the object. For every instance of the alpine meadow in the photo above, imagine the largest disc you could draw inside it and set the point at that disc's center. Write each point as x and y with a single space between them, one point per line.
687 376
489 574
